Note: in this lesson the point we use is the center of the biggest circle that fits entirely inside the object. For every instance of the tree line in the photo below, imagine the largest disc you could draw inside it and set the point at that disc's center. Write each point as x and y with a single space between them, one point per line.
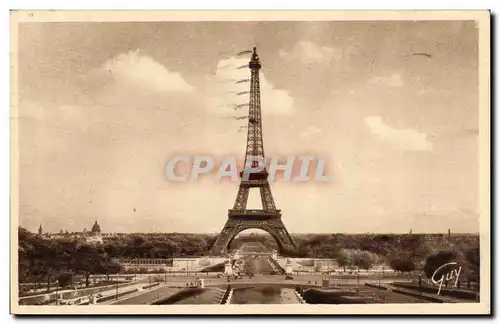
50 259
422 253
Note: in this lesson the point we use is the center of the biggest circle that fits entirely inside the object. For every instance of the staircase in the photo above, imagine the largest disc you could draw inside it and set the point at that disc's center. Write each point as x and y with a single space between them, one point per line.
226 296
276 266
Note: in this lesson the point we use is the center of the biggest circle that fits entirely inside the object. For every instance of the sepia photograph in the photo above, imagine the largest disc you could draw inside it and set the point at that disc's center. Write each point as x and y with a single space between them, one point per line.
250 162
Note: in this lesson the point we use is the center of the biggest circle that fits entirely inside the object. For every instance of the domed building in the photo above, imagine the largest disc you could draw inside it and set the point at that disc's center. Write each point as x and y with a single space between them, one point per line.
96 229
95 235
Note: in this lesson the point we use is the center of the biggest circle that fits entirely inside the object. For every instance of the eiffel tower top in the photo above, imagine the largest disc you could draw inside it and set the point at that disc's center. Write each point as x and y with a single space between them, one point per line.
255 142
254 62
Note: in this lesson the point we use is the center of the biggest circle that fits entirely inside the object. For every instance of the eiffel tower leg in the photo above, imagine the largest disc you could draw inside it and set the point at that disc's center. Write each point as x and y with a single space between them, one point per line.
221 244
267 197
233 226
241 198
278 230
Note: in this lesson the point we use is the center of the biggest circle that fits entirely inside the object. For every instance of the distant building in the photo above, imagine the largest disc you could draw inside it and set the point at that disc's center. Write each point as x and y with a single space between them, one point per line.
93 237
147 265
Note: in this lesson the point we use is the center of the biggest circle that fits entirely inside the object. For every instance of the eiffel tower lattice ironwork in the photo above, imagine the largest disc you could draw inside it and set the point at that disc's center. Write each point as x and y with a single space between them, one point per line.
240 218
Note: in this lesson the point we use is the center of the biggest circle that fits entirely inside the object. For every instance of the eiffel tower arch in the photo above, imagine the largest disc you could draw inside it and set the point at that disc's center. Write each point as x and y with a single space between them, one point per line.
239 217
234 226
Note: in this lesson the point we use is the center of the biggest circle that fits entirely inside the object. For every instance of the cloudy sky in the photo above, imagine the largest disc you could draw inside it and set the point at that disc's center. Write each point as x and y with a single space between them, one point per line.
104 106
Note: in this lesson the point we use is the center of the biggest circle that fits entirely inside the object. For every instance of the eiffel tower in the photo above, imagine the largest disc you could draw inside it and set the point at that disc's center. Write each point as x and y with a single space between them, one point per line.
239 217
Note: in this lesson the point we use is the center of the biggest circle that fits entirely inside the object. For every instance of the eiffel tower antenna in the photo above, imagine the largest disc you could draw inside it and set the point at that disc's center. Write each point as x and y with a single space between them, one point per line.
239 217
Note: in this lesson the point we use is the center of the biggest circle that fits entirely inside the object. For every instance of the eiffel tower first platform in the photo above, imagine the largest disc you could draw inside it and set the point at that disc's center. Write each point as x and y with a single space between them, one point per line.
240 218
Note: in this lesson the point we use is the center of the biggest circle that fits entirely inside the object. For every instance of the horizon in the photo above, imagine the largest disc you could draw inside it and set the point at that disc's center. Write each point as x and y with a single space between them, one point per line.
264 233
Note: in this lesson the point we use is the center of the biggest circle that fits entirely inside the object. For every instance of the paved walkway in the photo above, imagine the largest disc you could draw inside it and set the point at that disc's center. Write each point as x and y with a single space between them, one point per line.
288 296
442 299
147 297
113 292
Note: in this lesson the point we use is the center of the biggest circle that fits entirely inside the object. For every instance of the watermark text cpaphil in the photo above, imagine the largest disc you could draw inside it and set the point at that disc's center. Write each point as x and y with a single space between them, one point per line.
302 168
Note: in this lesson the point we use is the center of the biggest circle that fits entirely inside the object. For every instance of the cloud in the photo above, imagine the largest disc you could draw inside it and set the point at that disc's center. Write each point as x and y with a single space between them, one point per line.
394 81
224 93
424 91
309 53
311 131
142 71
404 139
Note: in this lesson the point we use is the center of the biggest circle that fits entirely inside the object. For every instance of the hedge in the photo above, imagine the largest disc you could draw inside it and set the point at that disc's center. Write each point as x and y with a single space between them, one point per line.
151 286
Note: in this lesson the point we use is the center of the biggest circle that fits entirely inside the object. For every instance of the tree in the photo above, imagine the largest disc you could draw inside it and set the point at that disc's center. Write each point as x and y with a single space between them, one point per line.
433 262
328 251
136 246
65 279
305 251
47 260
363 259
342 259
110 267
114 249
66 251
26 254
401 263
473 264
89 260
